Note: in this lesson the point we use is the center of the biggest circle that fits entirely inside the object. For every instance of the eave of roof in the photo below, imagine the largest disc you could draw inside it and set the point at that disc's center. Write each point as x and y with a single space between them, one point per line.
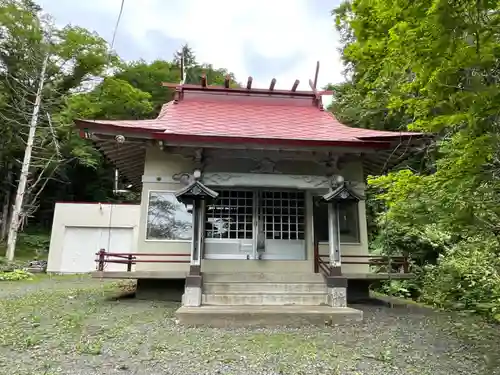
207 115
150 133
129 158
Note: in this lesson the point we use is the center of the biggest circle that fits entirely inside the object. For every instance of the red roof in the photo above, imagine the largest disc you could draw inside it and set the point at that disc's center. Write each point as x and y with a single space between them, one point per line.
224 115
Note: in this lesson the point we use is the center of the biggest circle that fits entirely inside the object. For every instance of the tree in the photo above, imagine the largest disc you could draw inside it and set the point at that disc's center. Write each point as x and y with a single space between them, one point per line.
65 167
185 54
433 66
194 70
75 57
148 77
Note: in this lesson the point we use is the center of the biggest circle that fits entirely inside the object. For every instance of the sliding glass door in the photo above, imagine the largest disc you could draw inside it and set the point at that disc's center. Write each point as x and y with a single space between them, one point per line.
256 224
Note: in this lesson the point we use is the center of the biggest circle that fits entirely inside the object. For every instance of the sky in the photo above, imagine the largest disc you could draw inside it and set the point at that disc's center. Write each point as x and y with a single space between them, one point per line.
264 39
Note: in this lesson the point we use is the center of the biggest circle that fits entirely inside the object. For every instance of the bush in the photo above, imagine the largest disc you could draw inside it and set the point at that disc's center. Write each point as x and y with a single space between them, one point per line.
400 288
467 277
33 245
15 275
6 266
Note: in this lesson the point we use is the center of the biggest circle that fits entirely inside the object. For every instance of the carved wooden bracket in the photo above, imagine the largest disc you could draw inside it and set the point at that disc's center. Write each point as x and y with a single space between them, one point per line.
185 178
265 165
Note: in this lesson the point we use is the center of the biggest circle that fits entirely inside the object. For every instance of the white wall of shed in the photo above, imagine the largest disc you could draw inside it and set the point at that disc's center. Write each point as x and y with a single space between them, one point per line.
84 228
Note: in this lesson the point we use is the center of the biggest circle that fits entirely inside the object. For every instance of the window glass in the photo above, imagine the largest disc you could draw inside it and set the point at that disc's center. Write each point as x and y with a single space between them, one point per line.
348 221
283 215
230 216
168 219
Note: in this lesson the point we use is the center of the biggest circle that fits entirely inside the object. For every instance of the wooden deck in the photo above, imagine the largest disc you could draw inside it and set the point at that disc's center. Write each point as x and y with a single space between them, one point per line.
399 266
163 275
171 275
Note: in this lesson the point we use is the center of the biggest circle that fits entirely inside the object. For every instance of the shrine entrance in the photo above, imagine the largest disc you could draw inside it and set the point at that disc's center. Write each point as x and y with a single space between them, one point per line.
256 224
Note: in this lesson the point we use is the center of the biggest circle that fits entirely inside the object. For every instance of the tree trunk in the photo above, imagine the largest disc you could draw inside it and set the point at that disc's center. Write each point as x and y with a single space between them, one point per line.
6 212
18 209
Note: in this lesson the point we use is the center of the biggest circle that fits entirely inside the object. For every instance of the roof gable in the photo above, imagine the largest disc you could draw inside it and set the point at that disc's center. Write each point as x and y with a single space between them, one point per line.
222 114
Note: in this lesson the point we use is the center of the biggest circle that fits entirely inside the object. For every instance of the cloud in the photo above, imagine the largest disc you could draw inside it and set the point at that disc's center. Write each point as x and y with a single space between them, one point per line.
258 38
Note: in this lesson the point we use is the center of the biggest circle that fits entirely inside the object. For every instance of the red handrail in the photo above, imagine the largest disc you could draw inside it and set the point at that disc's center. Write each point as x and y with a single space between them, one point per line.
149 254
381 260
131 258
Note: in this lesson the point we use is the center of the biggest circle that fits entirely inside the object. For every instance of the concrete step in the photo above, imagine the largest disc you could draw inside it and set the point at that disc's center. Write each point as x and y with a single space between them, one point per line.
263 277
265 299
262 287
266 316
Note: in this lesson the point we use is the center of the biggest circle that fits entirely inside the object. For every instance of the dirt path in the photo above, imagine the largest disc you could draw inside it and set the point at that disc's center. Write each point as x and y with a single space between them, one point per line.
71 326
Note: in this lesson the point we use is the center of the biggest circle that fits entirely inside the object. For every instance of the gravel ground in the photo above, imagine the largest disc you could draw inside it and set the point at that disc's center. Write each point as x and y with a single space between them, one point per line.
75 326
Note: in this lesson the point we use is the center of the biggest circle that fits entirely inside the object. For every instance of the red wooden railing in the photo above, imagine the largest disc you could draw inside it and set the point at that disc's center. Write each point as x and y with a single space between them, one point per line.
129 259
322 266
401 263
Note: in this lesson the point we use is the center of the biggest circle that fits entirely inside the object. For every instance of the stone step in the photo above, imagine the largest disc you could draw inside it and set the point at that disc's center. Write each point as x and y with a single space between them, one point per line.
263 277
265 299
262 287
266 316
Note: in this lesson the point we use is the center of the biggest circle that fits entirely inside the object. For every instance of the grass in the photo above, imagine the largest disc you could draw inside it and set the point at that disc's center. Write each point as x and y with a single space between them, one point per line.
66 325
30 246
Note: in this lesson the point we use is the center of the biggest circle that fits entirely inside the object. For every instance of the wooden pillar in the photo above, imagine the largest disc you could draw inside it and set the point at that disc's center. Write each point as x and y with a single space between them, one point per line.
195 193
200 237
334 235
336 284
195 242
194 280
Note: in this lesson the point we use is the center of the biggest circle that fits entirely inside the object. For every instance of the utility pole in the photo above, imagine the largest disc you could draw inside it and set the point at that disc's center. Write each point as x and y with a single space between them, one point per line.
183 67
23 179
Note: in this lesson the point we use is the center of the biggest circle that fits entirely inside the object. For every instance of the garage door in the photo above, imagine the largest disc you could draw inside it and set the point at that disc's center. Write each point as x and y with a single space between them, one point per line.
82 243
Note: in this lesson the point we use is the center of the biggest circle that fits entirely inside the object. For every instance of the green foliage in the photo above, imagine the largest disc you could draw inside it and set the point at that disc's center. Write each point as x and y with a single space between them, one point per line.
432 66
467 277
78 84
148 77
75 57
185 54
16 275
36 244
398 288
114 99
31 245
6 266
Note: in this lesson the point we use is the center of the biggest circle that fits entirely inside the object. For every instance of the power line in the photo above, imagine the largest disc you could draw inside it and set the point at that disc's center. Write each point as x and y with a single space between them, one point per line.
100 93
117 24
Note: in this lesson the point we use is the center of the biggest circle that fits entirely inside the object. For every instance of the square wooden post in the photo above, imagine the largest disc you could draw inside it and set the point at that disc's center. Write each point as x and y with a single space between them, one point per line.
334 235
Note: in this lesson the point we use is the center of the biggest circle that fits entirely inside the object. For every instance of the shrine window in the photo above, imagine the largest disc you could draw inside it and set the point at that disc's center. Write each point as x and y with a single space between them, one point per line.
283 215
348 217
167 219
230 216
